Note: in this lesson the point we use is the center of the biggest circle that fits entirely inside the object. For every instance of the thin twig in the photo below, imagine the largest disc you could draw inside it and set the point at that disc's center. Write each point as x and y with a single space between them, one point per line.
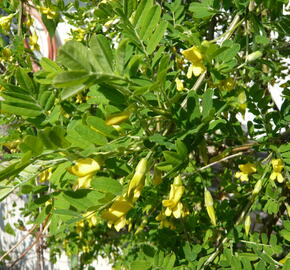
214 163
18 243
33 244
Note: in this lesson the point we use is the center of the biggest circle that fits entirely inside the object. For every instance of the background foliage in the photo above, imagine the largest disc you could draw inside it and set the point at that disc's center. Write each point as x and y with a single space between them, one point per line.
119 92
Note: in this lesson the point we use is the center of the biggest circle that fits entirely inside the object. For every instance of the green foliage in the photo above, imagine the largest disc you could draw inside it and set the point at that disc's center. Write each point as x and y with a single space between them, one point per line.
164 83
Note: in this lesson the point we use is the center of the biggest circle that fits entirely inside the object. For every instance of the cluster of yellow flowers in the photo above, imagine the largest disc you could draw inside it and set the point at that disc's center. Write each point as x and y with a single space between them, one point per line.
5 22
33 42
50 14
6 55
85 169
173 205
116 214
249 168
79 34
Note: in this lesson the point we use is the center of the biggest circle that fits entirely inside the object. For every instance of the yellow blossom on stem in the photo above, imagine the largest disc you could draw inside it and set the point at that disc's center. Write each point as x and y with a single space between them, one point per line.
247 224
33 39
45 175
245 170
85 169
116 214
79 34
179 84
50 14
164 222
195 56
278 166
227 84
173 204
6 55
91 218
5 22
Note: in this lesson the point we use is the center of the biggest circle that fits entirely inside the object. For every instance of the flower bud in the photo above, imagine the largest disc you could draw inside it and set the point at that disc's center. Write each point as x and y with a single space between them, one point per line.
209 206
117 118
157 177
253 56
247 224
257 187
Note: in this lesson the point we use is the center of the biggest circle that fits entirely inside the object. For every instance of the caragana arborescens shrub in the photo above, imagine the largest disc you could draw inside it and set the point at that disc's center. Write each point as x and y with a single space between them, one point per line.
152 139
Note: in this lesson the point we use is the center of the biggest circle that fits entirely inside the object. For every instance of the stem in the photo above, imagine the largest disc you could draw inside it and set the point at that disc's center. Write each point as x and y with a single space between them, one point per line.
19 27
241 217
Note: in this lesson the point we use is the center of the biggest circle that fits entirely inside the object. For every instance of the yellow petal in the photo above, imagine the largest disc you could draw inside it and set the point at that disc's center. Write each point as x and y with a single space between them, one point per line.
84 182
198 68
192 54
120 223
179 84
280 178
84 167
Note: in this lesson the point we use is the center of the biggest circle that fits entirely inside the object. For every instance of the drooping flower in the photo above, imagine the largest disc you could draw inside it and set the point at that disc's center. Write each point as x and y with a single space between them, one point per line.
45 175
164 222
173 204
195 56
277 168
179 84
116 214
5 22
91 218
245 171
85 169
137 182
33 39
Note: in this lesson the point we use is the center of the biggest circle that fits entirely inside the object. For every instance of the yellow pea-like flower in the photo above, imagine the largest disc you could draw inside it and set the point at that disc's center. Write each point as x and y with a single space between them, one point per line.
195 56
33 42
173 204
278 166
84 167
179 84
45 175
209 206
245 171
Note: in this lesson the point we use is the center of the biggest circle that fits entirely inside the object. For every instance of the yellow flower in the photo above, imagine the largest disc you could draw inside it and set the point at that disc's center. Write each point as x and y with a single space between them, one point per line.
50 14
6 55
33 42
5 22
164 222
246 169
45 175
91 218
173 204
227 84
179 84
137 182
115 215
195 56
29 21
277 168
79 34
85 169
